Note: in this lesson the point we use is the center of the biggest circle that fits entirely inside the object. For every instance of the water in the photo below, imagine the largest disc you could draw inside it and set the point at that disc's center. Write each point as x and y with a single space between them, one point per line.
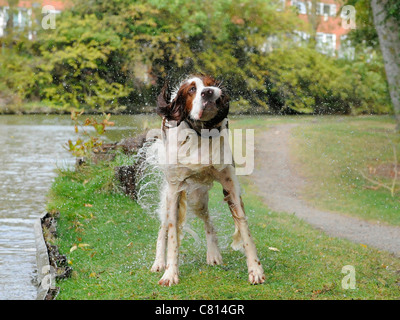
150 177
31 150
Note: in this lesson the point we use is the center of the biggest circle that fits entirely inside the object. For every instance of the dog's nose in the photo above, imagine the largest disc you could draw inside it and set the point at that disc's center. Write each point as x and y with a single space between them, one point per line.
207 93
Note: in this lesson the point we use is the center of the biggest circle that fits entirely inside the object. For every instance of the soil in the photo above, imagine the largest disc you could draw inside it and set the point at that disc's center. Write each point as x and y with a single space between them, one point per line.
279 185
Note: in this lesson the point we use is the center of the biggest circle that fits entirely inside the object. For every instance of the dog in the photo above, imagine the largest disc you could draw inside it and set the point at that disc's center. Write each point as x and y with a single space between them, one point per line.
199 104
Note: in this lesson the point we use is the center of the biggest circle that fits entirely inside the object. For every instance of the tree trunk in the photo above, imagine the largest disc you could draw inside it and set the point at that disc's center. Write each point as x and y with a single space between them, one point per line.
311 9
388 32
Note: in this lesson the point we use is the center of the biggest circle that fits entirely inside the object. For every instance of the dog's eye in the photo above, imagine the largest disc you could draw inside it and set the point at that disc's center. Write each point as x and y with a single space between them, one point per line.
192 89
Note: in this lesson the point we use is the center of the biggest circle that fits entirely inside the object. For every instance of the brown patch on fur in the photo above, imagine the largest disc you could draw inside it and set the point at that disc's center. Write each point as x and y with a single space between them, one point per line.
179 108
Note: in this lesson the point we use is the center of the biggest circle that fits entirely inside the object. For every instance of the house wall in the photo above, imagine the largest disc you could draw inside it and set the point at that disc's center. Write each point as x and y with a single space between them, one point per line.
23 16
329 30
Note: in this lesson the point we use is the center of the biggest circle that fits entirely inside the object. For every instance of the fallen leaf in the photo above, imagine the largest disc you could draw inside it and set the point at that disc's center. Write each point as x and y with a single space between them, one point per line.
88 205
92 275
83 245
363 245
73 248
273 249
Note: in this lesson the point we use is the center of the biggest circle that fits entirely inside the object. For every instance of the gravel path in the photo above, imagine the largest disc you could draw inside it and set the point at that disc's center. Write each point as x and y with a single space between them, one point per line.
278 184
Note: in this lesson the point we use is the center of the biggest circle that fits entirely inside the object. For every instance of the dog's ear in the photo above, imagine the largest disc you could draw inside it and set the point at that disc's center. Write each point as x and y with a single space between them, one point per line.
173 110
163 97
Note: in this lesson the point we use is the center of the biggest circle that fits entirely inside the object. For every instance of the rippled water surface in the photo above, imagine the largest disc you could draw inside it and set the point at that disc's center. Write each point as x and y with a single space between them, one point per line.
31 150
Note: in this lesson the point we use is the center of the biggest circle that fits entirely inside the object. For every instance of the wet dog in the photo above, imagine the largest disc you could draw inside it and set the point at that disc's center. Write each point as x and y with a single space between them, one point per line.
194 116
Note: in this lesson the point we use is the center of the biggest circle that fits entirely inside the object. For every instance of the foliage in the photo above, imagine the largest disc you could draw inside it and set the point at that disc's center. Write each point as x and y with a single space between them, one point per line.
75 56
393 9
113 56
306 81
365 33
84 147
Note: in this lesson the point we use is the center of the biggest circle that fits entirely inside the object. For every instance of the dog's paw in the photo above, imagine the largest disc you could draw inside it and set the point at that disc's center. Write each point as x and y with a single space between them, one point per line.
157 266
256 275
169 278
214 257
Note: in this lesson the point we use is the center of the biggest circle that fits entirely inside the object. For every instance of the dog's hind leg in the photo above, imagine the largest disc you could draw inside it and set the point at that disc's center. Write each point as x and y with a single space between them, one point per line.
198 204
159 263
231 189
174 198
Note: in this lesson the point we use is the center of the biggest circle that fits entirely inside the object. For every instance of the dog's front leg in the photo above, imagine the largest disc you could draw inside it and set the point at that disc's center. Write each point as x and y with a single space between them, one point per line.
170 276
159 263
231 187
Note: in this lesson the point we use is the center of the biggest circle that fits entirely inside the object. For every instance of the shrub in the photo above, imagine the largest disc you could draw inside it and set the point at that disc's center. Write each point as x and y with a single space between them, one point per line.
305 81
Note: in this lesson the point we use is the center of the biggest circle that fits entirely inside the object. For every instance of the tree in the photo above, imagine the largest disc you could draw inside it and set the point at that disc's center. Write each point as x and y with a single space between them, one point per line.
311 9
105 54
387 27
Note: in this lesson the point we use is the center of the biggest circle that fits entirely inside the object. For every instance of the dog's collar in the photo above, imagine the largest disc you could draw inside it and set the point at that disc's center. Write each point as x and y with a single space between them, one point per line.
210 133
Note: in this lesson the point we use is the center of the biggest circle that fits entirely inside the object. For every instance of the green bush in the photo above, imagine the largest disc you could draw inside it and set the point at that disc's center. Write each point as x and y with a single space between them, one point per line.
115 55
302 80
75 64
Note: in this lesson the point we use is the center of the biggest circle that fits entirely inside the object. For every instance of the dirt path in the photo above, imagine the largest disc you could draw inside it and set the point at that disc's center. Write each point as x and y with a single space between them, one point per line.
278 184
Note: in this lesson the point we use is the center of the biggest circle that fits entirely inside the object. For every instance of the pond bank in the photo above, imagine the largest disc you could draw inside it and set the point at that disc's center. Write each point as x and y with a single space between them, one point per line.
110 242
33 148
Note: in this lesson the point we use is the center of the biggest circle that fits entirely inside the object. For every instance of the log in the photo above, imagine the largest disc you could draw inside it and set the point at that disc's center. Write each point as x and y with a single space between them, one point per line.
126 175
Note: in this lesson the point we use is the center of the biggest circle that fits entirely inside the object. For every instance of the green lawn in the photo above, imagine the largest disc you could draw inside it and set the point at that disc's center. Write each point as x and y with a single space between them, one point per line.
332 152
113 246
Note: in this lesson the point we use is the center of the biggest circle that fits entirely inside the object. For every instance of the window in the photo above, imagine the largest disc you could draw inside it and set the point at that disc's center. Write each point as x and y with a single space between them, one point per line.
333 10
327 9
301 6
322 9
326 42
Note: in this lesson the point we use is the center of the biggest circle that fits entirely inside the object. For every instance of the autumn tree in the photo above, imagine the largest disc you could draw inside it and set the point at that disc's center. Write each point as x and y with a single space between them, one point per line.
388 29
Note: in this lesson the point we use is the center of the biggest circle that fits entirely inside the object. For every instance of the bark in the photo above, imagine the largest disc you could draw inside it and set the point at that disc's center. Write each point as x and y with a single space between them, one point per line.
389 39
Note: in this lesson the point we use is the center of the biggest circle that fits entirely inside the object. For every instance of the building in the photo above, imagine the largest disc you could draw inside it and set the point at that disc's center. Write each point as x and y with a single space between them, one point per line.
23 13
330 35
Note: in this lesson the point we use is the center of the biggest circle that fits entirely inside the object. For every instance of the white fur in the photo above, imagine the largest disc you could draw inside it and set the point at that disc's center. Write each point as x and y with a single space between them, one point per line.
197 102
187 186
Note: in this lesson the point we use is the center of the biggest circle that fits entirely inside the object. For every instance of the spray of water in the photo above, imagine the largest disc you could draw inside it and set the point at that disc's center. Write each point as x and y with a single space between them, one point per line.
149 176
150 181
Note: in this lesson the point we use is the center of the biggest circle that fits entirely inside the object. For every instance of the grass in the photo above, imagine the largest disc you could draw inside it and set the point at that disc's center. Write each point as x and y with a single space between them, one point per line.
36 107
339 150
110 244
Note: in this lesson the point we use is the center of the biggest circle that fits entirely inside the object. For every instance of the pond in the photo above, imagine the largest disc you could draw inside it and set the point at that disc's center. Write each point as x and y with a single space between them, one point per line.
32 147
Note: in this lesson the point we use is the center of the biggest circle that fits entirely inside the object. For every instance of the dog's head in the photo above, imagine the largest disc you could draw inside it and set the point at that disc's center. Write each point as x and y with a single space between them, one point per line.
197 99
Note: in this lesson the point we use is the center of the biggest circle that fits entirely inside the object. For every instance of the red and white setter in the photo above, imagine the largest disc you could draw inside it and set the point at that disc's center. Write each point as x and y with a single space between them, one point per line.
199 105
